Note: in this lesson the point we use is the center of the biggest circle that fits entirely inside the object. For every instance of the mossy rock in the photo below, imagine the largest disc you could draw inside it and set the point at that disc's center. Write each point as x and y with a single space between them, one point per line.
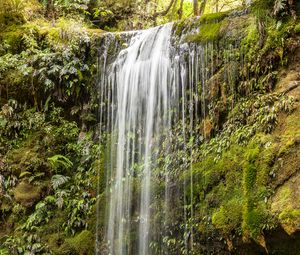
82 244
229 217
27 194
213 17
286 204
207 33
55 242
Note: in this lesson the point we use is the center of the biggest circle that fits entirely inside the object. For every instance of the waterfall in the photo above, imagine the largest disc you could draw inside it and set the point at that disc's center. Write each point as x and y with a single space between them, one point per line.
139 82
153 100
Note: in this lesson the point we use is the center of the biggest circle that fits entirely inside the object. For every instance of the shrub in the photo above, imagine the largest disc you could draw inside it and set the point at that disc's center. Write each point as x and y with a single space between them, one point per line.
11 11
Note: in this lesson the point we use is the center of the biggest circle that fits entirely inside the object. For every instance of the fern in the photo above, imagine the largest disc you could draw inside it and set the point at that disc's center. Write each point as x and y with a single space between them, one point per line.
60 198
36 176
279 6
59 180
58 161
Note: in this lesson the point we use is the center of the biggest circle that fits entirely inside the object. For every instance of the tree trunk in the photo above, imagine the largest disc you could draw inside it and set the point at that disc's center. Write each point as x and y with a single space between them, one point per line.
180 9
165 12
196 7
50 8
202 7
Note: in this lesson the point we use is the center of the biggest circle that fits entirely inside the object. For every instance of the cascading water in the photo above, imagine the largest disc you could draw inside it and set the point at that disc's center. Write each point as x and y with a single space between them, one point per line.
148 90
139 82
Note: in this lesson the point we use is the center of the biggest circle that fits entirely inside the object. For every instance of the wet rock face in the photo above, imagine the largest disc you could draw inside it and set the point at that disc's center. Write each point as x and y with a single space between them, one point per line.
286 202
280 242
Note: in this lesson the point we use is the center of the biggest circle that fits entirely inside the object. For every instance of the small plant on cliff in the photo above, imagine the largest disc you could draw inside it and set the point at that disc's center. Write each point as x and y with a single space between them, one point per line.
59 180
60 162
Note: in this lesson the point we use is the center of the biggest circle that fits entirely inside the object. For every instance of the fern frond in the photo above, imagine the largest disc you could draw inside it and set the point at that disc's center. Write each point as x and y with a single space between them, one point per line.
59 180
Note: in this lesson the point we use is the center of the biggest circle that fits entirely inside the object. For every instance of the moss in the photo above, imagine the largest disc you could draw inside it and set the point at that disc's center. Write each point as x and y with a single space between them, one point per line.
45 33
208 174
209 27
9 17
29 158
297 28
249 177
54 242
254 220
12 36
207 33
285 204
235 187
83 243
212 17
65 249
292 127
27 194
56 223
290 217
5 205
178 28
229 217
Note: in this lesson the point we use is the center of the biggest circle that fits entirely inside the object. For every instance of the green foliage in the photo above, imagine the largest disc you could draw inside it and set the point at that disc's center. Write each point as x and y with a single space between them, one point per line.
60 162
59 180
53 61
43 212
261 8
45 65
210 26
256 114
279 6
83 243
250 170
297 28
26 244
229 217
72 6
11 11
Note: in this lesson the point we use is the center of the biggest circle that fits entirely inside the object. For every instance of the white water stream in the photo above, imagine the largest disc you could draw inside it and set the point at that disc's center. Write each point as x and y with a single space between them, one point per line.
146 89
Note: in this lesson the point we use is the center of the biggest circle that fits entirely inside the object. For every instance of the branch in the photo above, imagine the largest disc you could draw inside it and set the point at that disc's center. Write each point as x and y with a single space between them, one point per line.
165 12
180 9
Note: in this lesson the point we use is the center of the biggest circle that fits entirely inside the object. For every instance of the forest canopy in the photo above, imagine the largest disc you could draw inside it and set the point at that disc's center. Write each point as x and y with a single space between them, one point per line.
113 15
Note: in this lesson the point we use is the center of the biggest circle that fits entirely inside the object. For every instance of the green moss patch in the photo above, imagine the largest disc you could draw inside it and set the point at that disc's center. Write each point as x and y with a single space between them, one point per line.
229 217
286 204
212 17
83 243
207 33
27 194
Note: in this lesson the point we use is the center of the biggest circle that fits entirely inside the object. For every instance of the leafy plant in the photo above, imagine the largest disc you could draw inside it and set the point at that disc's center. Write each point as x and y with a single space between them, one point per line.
26 244
59 180
11 10
60 161
43 212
